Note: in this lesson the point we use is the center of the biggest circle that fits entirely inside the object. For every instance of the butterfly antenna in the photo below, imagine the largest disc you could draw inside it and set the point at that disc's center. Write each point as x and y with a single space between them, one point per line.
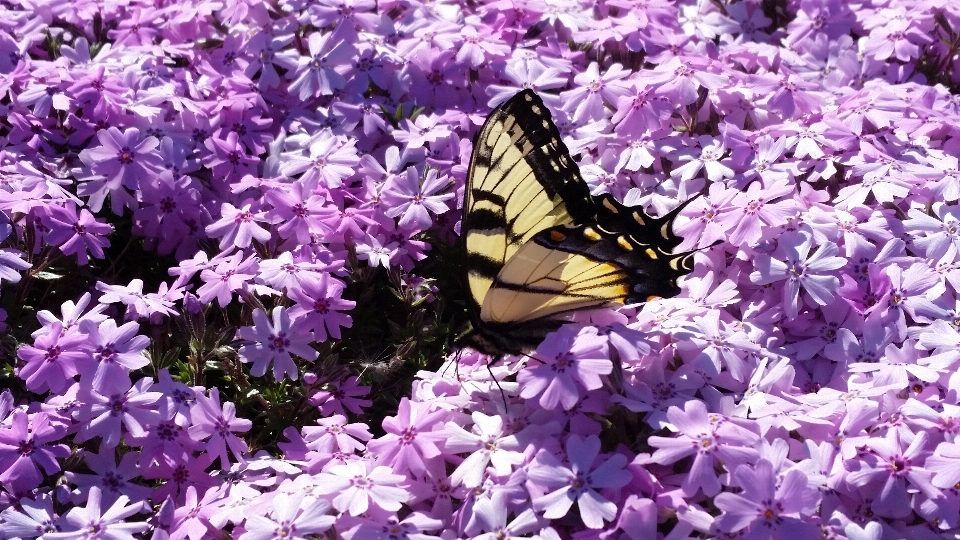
503 394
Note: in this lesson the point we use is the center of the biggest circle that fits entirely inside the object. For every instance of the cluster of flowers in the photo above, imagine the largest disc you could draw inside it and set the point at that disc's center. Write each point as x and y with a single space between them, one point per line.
803 385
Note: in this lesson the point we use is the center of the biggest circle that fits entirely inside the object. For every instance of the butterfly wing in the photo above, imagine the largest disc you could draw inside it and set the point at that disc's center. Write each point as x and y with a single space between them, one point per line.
521 181
575 267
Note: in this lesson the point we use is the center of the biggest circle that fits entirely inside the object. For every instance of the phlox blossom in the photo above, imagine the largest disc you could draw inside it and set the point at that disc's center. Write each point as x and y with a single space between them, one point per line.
576 479
275 343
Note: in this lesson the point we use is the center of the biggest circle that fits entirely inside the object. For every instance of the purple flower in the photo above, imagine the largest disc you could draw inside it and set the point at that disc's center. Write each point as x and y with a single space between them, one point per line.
237 227
490 446
359 483
138 304
577 479
123 157
26 449
888 469
91 522
216 424
377 251
319 303
572 362
941 231
228 159
491 514
116 351
710 439
798 270
907 297
945 464
275 343
329 161
591 90
52 360
301 215
413 200
290 517
112 478
757 210
321 72
343 396
229 275
268 53
105 414
770 507
31 518
412 437
76 234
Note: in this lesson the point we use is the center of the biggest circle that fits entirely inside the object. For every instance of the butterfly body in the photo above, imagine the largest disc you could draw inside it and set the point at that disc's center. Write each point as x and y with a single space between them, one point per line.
538 246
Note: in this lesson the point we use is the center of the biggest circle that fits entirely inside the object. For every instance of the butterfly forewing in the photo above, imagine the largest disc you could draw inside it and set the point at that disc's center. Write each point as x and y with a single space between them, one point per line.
521 181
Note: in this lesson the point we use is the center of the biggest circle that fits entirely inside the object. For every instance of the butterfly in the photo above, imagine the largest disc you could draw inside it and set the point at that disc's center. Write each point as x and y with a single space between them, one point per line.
538 246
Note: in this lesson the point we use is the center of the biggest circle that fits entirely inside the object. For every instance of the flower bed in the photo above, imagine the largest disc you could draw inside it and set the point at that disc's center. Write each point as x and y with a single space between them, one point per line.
230 273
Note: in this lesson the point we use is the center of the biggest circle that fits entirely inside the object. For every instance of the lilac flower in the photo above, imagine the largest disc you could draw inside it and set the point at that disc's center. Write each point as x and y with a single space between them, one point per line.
27 450
413 200
577 480
491 514
719 345
115 352
710 440
572 362
76 234
888 469
105 414
229 275
319 302
334 434
52 360
907 296
228 159
411 440
770 507
31 518
113 479
321 72
377 251
706 224
874 167
359 483
275 343
292 518
72 314
11 264
90 522
683 77
123 157
217 423
757 210
343 396
238 226
943 463
942 231
491 446
299 213
330 160
798 270
479 44
138 304
709 160
592 89
268 54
